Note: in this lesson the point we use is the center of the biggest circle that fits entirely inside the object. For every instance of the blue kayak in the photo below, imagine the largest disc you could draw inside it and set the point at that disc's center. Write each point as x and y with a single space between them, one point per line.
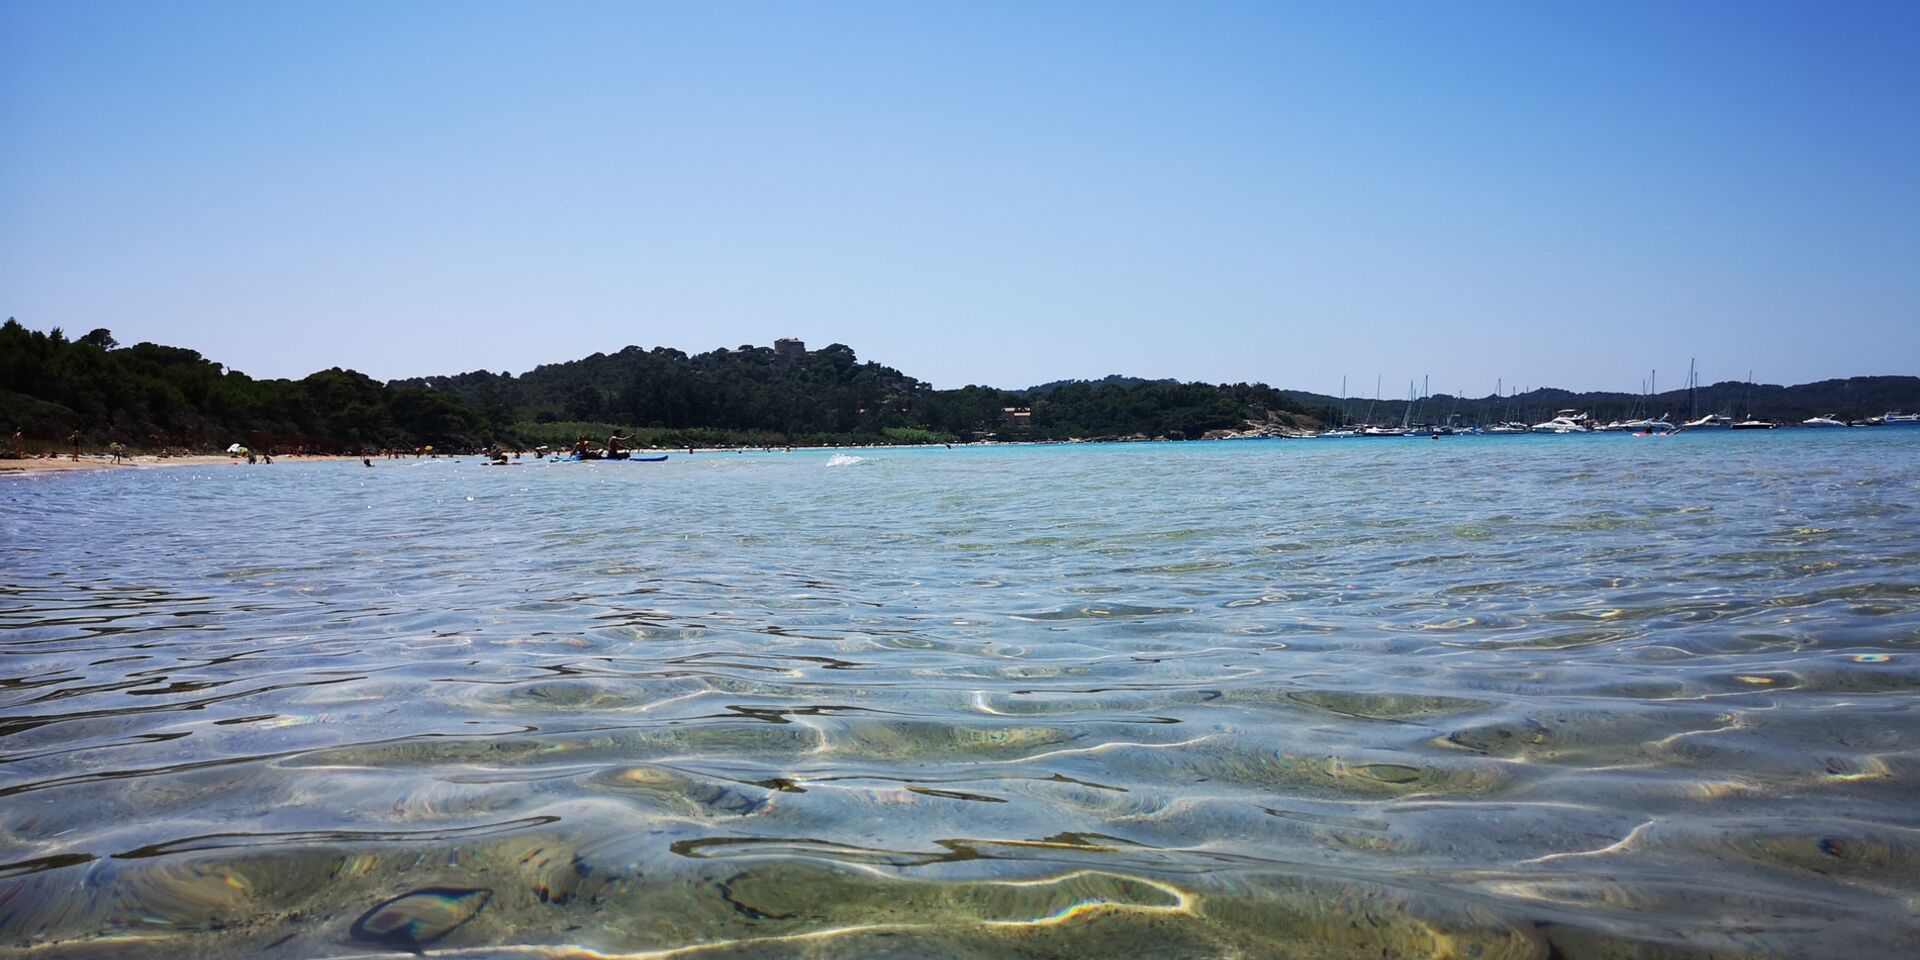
620 459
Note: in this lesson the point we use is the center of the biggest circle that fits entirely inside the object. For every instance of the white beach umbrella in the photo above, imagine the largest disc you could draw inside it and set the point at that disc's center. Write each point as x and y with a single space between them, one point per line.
236 448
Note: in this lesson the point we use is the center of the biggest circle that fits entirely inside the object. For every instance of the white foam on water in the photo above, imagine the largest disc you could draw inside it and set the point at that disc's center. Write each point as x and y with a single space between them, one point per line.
843 460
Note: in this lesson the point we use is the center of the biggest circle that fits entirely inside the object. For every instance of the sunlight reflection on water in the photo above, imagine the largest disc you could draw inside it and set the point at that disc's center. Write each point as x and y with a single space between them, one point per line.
1491 697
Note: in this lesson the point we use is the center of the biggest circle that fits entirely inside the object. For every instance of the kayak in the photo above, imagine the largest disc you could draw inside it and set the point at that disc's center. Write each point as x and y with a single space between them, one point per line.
617 459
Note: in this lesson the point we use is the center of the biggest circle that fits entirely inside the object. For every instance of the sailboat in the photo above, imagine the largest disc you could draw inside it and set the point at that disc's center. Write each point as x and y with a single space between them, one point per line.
1341 431
1508 426
1751 422
1641 425
1653 424
1711 421
1626 426
1400 431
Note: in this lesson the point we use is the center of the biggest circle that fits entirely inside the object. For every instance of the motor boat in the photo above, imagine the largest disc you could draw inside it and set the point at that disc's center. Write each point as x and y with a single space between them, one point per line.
1338 433
1383 432
1510 426
1901 420
1755 425
1567 421
1710 421
1823 422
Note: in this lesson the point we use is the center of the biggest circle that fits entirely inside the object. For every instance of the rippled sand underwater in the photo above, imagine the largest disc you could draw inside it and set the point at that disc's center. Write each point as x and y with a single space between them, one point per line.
1580 697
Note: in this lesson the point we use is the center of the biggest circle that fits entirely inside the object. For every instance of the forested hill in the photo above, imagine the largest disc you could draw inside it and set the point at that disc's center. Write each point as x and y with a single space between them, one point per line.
1851 399
151 396
751 395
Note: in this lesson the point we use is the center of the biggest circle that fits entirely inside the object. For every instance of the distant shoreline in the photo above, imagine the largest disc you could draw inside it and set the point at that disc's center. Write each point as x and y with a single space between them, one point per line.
101 461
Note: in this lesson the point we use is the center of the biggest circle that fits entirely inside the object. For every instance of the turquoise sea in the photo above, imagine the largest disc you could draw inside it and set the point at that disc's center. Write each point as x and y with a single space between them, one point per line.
1497 697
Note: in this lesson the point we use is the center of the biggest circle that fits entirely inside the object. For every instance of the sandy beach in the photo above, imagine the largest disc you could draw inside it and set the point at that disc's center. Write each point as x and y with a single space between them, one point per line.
101 461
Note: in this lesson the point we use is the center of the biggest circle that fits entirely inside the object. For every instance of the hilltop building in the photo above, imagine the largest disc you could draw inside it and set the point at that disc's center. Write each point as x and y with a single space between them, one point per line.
788 351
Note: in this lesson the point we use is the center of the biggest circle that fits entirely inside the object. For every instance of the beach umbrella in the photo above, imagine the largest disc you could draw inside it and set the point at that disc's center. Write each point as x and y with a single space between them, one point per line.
236 448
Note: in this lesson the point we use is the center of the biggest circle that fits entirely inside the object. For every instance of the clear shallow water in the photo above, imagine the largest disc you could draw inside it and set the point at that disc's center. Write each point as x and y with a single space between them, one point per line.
1586 697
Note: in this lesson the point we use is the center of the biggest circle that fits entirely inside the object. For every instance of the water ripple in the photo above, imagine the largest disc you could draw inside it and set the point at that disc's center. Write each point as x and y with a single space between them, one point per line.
1498 697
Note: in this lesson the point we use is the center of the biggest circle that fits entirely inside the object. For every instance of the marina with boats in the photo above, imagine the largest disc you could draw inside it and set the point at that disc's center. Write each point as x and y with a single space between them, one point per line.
1504 415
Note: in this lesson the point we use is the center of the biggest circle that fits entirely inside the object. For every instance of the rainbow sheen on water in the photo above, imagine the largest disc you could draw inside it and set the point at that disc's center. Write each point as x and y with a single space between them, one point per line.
1585 697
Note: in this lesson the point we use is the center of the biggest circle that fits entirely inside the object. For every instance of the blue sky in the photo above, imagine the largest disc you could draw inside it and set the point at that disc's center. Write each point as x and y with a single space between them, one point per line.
1005 193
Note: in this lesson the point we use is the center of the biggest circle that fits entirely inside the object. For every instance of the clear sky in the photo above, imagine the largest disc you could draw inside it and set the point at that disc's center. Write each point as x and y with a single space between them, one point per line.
1547 192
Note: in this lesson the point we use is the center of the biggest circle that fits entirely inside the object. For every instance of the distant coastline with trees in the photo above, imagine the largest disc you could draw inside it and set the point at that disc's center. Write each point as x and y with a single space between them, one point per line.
151 397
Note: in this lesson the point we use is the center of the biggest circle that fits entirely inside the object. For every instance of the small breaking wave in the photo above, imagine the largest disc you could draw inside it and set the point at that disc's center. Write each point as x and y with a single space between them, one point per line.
844 460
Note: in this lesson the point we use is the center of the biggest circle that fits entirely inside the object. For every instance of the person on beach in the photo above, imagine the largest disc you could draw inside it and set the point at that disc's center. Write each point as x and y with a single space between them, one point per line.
118 450
74 439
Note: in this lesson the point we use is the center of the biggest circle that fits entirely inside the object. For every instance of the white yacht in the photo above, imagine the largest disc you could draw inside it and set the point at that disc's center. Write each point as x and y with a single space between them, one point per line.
1710 421
1901 420
1511 426
1339 432
1566 421
1823 422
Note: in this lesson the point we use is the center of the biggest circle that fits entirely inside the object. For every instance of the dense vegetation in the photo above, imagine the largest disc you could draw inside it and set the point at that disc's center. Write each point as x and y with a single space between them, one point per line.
829 395
150 396
1853 398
